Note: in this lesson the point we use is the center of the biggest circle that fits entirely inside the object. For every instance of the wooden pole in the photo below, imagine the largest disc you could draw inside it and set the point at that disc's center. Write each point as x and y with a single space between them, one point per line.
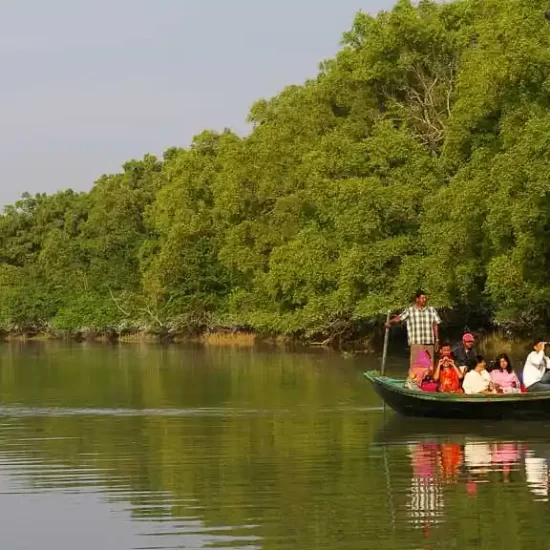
385 352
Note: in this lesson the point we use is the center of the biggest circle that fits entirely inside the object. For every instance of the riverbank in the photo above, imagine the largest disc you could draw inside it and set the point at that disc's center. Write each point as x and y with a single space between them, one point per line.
342 334
212 338
220 337
488 343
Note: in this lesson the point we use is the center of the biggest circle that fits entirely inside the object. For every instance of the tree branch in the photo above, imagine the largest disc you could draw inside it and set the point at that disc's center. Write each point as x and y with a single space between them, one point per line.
150 313
116 303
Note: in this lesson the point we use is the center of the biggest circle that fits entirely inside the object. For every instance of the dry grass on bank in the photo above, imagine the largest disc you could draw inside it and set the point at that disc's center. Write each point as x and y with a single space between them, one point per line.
139 338
229 339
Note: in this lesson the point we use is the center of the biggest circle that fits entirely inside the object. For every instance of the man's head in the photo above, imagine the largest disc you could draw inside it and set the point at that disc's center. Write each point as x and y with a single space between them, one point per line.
421 298
468 340
539 345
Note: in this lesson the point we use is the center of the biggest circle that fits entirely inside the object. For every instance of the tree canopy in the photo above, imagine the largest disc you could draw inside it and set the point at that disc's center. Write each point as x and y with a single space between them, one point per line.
417 157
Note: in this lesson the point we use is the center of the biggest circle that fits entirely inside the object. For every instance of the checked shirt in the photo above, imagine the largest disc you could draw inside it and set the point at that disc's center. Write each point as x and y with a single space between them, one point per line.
420 324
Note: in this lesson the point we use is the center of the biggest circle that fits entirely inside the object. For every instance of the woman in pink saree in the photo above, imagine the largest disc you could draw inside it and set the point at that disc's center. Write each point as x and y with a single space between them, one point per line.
421 371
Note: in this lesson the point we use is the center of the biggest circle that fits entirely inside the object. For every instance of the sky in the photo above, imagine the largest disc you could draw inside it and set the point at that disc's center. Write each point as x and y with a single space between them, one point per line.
89 84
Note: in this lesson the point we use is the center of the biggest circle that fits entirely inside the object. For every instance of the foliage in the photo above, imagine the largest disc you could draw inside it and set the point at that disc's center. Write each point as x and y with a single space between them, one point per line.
417 157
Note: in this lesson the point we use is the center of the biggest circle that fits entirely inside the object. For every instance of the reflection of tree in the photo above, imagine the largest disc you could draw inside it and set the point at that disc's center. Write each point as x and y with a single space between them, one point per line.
257 445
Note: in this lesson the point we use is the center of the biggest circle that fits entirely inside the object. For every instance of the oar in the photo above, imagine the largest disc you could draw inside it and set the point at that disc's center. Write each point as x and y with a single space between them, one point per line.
385 352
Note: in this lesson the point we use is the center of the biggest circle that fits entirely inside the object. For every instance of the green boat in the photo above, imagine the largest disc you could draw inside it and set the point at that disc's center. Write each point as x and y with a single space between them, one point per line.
524 406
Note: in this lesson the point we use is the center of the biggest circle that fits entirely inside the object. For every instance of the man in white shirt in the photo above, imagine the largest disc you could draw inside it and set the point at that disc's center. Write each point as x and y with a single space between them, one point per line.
536 373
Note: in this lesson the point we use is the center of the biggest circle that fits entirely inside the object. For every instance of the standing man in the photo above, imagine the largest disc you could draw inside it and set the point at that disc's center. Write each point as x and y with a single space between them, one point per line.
422 326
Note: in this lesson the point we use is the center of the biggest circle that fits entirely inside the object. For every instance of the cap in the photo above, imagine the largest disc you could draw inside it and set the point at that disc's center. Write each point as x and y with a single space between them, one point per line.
468 337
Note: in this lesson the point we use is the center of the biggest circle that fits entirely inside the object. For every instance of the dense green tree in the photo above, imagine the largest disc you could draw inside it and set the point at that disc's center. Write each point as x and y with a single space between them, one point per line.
416 157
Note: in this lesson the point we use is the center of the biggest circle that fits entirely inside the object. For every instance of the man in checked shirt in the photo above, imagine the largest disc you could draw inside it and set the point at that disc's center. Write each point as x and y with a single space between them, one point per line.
422 326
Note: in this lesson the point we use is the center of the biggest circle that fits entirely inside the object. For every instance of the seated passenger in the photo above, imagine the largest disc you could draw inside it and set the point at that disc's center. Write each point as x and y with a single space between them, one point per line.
447 373
465 350
504 376
536 372
477 379
420 371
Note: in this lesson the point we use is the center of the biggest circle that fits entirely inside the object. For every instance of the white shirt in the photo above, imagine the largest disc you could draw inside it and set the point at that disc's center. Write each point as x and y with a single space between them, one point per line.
476 382
535 366
536 470
477 456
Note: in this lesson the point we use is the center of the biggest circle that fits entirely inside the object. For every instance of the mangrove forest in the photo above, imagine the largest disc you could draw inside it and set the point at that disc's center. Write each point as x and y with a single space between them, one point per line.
417 157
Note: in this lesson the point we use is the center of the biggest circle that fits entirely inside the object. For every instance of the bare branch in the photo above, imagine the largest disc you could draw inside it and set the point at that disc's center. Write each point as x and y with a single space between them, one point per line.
150 313
116 303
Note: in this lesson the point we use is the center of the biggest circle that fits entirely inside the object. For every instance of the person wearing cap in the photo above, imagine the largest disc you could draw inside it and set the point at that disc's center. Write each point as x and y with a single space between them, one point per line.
465 350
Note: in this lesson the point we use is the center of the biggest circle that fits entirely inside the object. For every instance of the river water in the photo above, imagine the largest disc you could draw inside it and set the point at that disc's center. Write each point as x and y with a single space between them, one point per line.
150 447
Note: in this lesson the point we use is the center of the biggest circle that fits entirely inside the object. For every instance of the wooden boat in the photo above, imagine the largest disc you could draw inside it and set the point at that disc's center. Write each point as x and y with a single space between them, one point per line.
525 406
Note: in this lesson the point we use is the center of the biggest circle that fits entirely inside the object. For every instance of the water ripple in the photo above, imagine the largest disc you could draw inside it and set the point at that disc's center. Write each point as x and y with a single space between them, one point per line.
16 411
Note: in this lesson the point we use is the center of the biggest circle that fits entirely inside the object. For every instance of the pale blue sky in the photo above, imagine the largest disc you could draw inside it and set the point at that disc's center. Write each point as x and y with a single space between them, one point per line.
89 84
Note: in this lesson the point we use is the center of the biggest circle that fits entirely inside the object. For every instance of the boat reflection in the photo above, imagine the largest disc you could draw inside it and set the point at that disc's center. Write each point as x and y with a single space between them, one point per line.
449 463
536 471
426 500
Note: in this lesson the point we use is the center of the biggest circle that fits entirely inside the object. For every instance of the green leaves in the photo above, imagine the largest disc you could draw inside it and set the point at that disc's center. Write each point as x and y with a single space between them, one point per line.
417 157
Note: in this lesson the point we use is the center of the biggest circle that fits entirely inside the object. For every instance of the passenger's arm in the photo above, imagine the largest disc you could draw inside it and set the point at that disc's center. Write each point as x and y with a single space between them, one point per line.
436 373
536 359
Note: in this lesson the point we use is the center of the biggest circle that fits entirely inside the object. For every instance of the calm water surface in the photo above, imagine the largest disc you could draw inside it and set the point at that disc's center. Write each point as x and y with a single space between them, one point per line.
154 448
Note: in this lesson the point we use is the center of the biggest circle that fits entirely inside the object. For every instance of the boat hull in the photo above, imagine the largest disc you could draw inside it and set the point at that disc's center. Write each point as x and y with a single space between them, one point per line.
533 406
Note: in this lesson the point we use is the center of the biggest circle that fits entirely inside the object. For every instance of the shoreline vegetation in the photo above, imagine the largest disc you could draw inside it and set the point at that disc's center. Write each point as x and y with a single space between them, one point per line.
416 158
218 338
490 343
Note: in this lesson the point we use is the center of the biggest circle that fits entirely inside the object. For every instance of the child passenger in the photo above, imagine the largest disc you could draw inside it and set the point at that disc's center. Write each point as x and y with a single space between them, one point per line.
477 379
447 373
